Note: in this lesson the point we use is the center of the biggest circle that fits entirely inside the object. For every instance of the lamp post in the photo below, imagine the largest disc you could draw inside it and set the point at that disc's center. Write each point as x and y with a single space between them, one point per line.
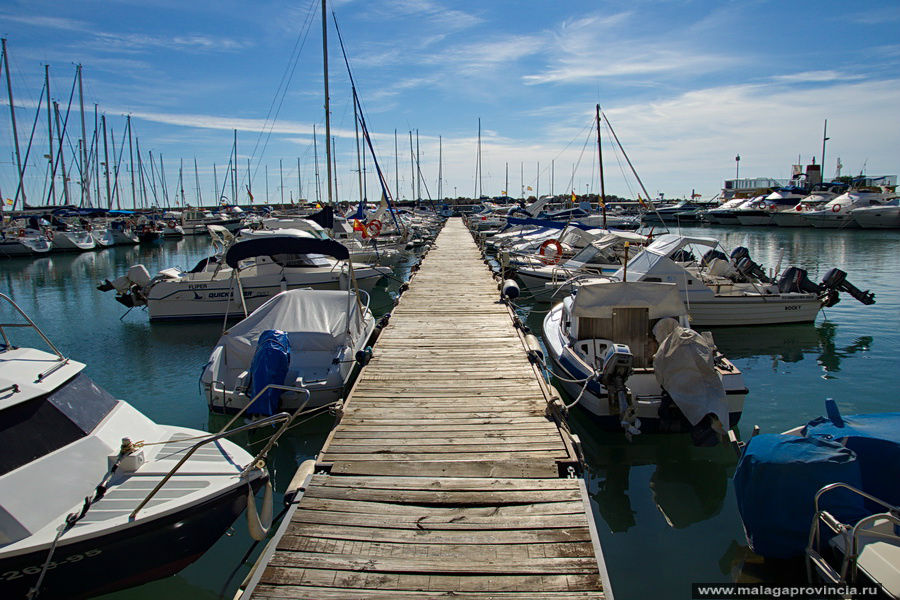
737 166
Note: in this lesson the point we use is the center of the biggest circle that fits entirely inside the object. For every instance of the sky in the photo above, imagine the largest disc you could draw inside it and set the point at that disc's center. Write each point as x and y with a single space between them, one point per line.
686 85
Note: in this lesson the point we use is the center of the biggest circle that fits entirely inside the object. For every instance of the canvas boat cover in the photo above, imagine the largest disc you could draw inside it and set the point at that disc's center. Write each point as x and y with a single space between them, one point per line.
314 320
597 300
685 367
269 366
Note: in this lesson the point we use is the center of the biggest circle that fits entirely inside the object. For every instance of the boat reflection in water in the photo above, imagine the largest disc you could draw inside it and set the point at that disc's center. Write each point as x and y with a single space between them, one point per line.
688 484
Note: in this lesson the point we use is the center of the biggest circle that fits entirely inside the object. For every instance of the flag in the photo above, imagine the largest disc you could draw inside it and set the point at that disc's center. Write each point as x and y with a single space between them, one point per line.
9 201
358 226
318 205
528 188
641 201
573 196
249 193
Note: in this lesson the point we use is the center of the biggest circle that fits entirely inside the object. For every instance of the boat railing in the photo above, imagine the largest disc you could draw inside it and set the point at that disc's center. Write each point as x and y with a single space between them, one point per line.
29 323
814 558
284 418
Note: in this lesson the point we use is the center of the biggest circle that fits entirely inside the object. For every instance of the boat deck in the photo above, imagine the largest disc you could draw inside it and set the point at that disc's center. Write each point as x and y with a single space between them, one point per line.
447 475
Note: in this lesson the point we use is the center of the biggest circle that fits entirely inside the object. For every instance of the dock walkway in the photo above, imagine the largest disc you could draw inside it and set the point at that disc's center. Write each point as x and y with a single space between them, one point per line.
445 477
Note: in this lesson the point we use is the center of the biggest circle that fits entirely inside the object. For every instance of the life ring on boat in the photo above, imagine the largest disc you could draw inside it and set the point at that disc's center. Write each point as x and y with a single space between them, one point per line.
836 208
21 233
374 225
551 260
49 235
799 207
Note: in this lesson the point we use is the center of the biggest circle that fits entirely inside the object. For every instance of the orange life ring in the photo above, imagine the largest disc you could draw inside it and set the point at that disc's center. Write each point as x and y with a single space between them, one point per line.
376 225
551 260
799 207
21 233
836 208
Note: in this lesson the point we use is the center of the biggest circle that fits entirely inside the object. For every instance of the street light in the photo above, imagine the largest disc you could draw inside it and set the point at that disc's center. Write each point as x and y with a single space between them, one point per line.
737 166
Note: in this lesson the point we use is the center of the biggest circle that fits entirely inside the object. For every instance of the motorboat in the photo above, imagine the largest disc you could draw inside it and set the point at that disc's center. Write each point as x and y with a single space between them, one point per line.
729 289
835 214
828 491
172 230
301 338
94 496
73 240
761 211
724 214
238 280
23 242
795 216
117 233
627 355
881 216
547 276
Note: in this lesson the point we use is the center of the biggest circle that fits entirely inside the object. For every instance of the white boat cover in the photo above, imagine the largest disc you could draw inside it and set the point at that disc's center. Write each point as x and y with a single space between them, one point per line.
668 243
597 300
315 320
685 366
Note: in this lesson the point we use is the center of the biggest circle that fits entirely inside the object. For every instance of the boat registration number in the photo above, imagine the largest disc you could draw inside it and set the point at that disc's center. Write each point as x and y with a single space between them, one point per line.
35 570
792 307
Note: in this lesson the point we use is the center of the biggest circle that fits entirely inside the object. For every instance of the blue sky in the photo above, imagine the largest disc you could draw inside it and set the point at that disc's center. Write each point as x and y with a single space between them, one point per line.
687 85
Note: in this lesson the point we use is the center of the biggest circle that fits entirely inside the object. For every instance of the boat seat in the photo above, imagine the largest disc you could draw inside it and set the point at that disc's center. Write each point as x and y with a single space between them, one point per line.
879 554
629 326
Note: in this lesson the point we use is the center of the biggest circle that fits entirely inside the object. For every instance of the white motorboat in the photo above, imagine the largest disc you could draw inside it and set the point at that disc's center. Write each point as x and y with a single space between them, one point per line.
73 240
23 242
94 496
761 211
795 216
722 292
881 216
310 339
625 352
239 280
546 276
116 233
724 213
836 213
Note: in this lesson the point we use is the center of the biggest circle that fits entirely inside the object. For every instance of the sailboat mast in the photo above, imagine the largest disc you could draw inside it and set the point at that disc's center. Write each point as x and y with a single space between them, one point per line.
334 162
281 178
358 158
316 160
49 136
197 183
327 99
12 115
506 181
440 169
600 157
61 155
234 173
478 188
131 164
106 163
824 139
396 164
418 171
412 167
85 180
299 182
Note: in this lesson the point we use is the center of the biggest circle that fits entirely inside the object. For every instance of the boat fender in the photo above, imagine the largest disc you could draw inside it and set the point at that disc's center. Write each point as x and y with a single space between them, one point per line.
533 347
296 486
364 356
258 524
384 320
509 289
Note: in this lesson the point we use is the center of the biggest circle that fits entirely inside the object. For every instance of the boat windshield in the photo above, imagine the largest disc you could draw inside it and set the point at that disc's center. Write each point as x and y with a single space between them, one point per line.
301 260
37 427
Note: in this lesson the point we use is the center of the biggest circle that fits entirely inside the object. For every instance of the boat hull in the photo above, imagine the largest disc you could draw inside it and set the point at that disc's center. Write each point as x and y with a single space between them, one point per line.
128 556
736 311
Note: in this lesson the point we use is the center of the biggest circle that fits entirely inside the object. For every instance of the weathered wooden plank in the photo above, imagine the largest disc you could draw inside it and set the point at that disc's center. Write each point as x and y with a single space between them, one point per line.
446 484
414 448
394 455
292 592
473 551
531 467
460 565
459 537
412 438
381 508
413 520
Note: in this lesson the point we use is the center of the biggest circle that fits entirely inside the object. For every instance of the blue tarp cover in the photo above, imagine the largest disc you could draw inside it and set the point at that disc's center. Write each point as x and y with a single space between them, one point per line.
269 366
775 484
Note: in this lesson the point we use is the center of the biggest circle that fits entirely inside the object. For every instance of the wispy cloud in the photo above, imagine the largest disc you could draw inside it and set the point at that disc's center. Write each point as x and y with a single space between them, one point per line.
816 77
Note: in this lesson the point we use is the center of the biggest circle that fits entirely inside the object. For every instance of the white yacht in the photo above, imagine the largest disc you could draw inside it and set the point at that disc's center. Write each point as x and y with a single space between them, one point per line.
795 216
626 353
881 216
310 339
94 496
23 242
73 240
246 274
836 213
761 211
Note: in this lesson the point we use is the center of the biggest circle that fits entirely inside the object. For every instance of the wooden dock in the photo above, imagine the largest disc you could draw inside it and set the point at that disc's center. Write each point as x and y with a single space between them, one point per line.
446 476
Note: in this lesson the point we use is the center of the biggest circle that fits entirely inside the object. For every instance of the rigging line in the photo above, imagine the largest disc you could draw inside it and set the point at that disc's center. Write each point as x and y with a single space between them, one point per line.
580 156
622 170
19 189
283 85
62 136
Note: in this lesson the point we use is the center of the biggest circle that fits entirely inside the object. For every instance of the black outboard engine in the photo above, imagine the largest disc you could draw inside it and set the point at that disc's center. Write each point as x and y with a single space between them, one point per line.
740 258
835 281
794 279
712 255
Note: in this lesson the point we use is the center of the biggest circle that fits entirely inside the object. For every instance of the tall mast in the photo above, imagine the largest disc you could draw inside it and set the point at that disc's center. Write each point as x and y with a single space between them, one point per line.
358 158
50 135
131 163
412 167
552 173
316 160
418 171
85 180
234 172
506 181
215 186
440 168
600 158
327 100
334 160
249 183
281 178
12 115
478 163
299 182
143 185
396 165
267 183
181 179
825 138
95 153
537 186
61 155
106 163
197 183
164 186
115 186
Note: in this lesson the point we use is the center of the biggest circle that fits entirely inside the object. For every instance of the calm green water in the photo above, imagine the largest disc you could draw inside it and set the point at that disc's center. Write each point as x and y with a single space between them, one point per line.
665 511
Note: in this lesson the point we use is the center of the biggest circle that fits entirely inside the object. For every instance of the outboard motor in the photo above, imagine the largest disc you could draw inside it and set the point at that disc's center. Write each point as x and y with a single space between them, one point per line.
835 281
711 255
616 369
740 258
794 279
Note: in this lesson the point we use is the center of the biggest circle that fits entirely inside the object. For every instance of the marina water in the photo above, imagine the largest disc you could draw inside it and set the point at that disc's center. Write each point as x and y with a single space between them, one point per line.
665 510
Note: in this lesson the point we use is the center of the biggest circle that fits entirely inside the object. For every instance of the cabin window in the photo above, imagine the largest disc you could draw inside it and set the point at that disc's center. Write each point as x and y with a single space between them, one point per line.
301 260
37 427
